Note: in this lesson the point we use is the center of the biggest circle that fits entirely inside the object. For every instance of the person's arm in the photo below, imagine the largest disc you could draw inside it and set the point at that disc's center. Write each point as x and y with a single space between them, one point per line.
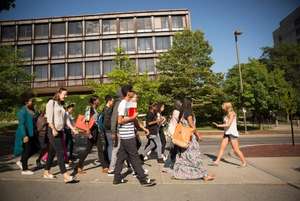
125 120
138 125
191 123
70 125
228 123
49 114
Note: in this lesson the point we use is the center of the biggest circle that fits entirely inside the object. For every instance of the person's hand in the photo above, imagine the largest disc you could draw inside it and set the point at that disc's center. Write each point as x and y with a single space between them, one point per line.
75 131
214 123
88 131
147 131
54 132
113 136
26 139
199 135
134 116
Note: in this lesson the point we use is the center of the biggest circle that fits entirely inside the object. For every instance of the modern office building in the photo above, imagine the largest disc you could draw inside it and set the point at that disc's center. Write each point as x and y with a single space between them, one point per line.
289 29
68 51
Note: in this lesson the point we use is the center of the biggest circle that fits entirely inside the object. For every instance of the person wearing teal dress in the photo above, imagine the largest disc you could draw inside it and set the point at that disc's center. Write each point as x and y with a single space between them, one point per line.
25 133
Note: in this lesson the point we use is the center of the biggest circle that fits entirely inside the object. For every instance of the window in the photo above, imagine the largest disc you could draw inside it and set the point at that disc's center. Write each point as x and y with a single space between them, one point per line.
27 70
75 70
177 22
75 28
58 50
109 26
8 32
108 66
75 49
109 46
128 44
126 25
41 72
161 23
41 51
41 30
92 27
92 69
24 31
146 65
162 43
25 51
144 24
58 29
145 44
92 47
58 71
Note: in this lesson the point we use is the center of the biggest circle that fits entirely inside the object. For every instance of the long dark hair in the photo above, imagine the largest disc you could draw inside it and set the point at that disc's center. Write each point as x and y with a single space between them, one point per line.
186 108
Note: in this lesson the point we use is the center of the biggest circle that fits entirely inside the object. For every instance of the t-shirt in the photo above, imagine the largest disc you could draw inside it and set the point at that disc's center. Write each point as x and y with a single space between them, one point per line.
153 129
126 131
107 117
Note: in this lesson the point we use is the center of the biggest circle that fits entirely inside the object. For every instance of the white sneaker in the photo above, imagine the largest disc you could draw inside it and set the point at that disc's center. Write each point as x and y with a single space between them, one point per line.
67 165
146 171
27 172
146 158
19 164
148 153
164 157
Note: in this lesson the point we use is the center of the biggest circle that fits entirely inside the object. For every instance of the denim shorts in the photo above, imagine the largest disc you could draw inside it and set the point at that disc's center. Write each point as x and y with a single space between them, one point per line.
230 136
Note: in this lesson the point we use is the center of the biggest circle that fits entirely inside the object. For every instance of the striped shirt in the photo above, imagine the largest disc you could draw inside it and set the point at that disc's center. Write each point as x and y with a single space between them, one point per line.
126 131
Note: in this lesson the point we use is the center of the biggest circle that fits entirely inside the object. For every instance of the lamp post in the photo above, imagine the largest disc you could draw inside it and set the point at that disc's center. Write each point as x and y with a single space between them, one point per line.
236 34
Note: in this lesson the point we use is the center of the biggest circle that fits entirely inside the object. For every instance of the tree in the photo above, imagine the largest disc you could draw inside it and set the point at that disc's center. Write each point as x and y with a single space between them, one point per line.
185 71
14 80
7 4
124 72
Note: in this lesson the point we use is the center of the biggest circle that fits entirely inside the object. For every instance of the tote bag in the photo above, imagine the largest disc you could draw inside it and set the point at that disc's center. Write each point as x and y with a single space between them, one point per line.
182 136
80 123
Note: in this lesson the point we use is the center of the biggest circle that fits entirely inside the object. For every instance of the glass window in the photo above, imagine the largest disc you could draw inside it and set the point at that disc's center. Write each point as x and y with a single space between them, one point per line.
25 51
58 71
92 27
92 69
109 26
41 30
146 65
126 25
75 28
41 50
145 44
41 72
128 44
109 46
162 43
58 50
75 70
24 31
161 23
144 24
58 29
8 32
177 22
27 69
75 48
92 47
108 66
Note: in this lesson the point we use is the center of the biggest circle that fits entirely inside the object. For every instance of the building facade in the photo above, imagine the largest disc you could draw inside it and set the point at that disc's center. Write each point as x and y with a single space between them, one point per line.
289 29
68 51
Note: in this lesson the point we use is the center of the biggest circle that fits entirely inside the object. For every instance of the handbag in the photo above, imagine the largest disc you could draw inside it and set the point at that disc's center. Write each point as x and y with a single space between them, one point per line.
182 136
81 123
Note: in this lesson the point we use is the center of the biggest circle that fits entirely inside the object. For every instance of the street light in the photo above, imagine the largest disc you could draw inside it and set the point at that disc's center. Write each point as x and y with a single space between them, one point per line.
236 34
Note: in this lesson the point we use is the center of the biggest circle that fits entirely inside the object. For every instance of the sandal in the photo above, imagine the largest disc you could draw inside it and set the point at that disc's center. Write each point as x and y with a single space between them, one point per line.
48 176
209 178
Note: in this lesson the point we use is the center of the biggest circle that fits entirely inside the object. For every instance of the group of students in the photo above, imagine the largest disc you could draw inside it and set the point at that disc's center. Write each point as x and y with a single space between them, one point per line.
115 134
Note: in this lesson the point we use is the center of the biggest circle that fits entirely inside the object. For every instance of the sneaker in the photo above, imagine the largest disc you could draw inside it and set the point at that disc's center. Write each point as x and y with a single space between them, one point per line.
39 165
122 181
110 173
146 158
147 182
146 171
19 164
148 153
67 165
164 157
27 172
96 163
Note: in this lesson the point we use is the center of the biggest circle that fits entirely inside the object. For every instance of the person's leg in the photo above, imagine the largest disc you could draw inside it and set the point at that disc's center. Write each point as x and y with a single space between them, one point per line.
113 161
51 155
25 155
158 146
163 140
149 147
59 148
130 147
85 153
121 156
235 146
100 143
109 144
224 143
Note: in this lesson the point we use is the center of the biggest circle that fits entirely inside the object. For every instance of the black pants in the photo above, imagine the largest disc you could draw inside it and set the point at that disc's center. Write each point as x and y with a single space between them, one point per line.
69 143
128 150
98 140
56 148
26 154
44 144
162 139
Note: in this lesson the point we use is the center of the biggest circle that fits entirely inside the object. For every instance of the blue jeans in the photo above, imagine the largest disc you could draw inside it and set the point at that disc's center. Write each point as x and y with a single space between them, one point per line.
109 143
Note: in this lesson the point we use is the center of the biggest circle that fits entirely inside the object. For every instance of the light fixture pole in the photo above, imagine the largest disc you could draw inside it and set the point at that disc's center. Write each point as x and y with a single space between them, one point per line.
236 34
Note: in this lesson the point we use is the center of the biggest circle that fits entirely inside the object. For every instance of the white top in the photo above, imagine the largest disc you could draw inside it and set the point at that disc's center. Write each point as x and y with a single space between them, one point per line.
126 131
173 123
232 129
60 118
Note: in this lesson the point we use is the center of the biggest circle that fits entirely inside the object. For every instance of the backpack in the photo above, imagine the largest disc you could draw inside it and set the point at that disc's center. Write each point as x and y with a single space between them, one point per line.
100 122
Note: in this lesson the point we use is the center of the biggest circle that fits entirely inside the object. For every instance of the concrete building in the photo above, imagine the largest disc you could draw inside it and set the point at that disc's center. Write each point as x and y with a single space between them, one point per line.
289 29
68 51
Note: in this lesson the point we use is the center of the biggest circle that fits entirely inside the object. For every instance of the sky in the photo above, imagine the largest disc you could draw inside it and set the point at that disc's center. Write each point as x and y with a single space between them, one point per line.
218 19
